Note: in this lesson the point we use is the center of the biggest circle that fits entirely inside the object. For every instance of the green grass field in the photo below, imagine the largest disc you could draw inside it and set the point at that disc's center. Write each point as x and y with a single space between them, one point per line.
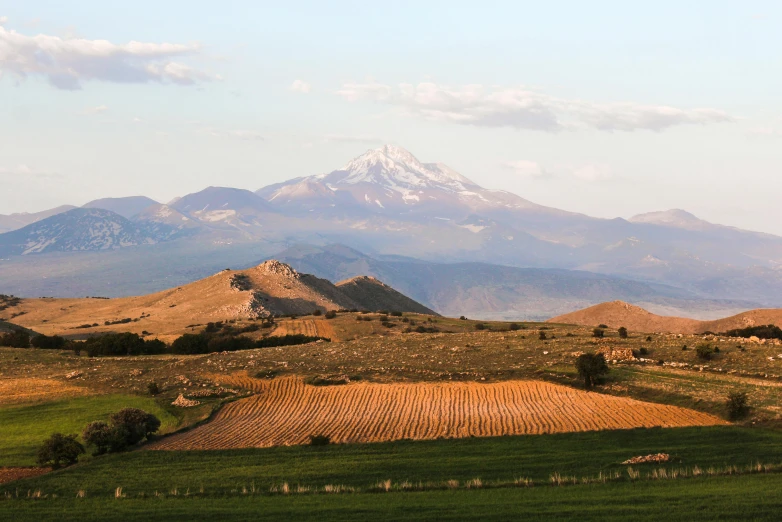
753 497
363 465
24 428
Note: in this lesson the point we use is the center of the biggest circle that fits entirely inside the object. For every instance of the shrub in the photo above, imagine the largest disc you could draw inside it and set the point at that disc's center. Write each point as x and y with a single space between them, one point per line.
462 318
591 367
153 388
542 335
15 339
704 351
319 440
513 327
622 332
122 344
317 313
105 438
603 326
738 405
480 326
648 338
396 314
643 351
60 450
55 342
190 344
331 314
598 333
768 331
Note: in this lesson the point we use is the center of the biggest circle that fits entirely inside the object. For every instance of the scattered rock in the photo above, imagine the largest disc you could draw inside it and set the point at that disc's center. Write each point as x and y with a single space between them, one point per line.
73 375
182 402
657 457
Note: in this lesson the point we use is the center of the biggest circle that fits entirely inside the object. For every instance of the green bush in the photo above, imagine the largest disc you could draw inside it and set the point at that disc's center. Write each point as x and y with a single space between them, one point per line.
513 327
591 367
60 450
738 405
541 335
704 351
480 326
331 314
190 344
319 440
598 333
54 342
114 344
622 332
15 339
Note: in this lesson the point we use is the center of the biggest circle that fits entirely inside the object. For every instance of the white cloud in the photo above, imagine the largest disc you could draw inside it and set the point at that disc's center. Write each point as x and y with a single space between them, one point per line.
522 108
527 169
100 109
593 173
341 138
67 62
301 86
3 20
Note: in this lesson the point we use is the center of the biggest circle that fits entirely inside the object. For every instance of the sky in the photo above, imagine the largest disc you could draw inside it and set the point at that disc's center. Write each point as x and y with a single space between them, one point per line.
606 108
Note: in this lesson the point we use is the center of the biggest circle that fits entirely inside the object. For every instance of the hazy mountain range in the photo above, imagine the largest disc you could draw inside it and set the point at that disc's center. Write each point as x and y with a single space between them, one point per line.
388 203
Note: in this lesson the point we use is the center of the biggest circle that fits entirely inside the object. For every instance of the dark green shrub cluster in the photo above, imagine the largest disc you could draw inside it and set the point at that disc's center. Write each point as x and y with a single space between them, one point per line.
598 333
331 314
768 331
241 282
54 342
210 343
15 339
122 344
319 440
125 428
622 332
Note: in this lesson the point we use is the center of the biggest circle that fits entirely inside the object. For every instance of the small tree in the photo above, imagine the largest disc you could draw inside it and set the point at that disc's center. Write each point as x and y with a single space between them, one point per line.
622 332
331 314
105 438
591 366
514 327
60 450
542 335
480 326
598 333
138 423
738 405
153 388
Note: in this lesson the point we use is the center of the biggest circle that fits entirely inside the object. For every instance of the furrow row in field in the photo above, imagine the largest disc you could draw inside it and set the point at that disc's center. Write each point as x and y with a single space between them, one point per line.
287 411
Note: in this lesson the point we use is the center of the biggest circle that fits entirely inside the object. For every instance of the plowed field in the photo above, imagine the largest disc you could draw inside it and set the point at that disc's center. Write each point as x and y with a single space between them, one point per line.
311 327
286 411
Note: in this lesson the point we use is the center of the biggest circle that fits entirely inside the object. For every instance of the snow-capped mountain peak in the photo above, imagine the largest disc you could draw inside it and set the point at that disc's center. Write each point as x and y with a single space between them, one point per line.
397 169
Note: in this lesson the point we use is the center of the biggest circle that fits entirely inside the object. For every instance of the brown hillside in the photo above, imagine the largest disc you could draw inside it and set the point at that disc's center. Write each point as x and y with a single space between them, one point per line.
376 295
271 288
619 313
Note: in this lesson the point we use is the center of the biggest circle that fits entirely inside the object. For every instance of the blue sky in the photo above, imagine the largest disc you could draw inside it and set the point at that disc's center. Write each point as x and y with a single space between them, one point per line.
606 108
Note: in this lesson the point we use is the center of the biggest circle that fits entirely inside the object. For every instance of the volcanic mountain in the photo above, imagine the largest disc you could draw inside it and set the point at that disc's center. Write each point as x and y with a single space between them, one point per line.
619 313
269 289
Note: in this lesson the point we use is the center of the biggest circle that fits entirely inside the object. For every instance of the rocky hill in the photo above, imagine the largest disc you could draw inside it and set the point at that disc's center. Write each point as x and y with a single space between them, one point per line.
269 289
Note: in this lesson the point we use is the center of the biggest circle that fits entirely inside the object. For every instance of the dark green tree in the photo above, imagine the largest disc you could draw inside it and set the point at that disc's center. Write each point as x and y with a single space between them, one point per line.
591 367
60 450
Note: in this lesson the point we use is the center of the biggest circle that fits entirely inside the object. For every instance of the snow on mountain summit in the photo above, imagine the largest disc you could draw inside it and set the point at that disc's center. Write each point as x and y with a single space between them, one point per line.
397 169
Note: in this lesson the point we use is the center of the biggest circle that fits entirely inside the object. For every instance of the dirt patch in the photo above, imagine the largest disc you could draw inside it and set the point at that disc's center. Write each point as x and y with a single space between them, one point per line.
11 474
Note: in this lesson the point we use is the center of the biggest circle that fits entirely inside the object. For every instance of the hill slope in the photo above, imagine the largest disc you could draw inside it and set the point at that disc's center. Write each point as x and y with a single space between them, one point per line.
269 289
618 313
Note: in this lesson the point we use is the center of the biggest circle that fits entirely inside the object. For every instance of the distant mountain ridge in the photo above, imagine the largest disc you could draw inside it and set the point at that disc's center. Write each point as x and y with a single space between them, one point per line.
80 230
388 202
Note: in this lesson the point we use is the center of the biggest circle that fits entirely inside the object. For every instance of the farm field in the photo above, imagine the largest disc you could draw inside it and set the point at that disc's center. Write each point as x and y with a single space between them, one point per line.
287 411
237 483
